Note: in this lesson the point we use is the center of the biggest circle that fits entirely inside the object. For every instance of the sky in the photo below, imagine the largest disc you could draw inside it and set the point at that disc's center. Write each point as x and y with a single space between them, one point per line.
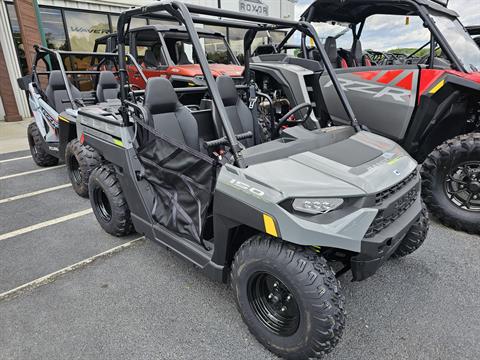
389 32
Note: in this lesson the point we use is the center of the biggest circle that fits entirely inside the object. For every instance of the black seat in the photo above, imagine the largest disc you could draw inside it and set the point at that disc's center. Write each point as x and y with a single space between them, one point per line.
108 86
56 92
357 56
150 60
265 49
239 115
332 52
168 115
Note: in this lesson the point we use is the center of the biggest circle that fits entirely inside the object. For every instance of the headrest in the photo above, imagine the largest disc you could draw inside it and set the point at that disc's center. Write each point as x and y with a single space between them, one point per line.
265 50
150 59
358 51
160 97
55 81
107 80
331 48
227 89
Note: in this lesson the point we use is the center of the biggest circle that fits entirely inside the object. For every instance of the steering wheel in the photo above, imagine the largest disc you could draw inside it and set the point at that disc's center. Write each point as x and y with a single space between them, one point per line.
285 120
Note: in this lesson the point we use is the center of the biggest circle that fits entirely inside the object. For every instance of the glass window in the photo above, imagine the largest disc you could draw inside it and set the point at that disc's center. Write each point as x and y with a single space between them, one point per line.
84 28
53 28
341 32
134 23
235 37
395 33
17 39
460 41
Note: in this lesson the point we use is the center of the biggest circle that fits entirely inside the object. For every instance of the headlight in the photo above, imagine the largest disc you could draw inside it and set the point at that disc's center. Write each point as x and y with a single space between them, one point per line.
316 205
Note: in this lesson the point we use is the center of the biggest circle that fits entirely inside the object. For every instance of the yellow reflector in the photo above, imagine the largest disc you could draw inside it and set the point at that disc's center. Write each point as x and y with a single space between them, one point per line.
407 20
270 228
118 142
63 119
437 87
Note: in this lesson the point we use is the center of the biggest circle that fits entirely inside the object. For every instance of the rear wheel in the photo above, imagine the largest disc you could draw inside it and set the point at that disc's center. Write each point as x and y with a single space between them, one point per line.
36 144
451 182
80 161
108 202
288 297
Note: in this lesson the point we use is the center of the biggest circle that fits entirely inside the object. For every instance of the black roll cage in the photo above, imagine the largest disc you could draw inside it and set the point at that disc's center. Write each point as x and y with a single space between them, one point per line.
423 9
253 23
41 52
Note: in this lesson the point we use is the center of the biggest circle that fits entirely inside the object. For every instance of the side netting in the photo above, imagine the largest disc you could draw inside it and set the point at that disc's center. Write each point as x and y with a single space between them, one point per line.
182 179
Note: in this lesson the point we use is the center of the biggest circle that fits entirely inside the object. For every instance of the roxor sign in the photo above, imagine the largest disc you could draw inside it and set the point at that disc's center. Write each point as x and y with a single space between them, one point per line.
256 7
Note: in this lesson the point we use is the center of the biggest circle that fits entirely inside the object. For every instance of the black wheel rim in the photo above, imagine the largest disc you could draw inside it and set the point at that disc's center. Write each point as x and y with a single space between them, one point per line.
273 304
75 170
102 204
462 186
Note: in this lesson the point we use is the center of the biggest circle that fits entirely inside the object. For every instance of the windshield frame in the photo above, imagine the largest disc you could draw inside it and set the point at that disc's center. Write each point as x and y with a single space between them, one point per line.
467 67
202 35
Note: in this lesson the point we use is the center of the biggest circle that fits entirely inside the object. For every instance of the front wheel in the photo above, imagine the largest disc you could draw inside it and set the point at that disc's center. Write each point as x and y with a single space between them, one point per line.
80 161
451 182
289 298
108 202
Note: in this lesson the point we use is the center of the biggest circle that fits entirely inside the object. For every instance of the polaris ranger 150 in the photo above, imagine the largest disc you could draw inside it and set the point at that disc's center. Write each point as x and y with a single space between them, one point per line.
270 216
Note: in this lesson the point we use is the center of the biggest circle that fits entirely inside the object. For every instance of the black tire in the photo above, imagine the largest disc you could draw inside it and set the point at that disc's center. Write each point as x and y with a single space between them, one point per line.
36 144
441 180
316 297
80 160
415 236
108 202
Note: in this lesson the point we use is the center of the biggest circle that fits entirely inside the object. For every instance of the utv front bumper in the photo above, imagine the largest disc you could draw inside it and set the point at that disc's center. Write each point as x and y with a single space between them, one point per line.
397 217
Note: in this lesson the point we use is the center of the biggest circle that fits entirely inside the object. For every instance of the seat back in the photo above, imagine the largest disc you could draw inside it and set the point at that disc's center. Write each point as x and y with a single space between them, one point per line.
56 91
168 115
357 54
332 53
150 60
108 87
239 115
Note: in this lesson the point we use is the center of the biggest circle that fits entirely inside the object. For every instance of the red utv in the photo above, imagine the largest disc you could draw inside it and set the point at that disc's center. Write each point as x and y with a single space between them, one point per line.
166 51
425 94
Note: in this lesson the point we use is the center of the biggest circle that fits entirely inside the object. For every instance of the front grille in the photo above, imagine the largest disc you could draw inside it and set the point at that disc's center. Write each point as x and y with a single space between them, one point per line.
399 207
382 196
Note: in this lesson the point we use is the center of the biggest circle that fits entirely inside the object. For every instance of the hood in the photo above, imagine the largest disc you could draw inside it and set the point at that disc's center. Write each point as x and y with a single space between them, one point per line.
216 69
362 164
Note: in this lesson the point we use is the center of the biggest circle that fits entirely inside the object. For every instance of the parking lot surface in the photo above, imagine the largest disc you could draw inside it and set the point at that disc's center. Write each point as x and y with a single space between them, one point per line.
70 291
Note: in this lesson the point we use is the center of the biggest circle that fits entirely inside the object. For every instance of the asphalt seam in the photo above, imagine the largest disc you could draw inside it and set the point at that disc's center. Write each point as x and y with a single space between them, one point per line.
56 274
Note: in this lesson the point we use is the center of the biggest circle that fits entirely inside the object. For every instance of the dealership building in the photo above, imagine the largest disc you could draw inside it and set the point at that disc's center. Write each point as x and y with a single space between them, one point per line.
75 25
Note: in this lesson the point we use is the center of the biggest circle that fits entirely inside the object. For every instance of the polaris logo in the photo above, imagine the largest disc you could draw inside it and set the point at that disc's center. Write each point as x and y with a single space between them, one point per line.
244 186
378 91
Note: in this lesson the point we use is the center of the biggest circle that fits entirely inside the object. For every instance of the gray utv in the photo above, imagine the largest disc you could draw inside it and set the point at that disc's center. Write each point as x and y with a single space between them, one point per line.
272 217
54 102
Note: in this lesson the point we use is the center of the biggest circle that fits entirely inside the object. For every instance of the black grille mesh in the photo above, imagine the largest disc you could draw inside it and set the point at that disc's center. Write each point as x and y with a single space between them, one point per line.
382 196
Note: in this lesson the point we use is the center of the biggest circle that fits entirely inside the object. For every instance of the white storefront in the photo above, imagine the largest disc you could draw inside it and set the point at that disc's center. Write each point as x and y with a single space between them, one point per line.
58 17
